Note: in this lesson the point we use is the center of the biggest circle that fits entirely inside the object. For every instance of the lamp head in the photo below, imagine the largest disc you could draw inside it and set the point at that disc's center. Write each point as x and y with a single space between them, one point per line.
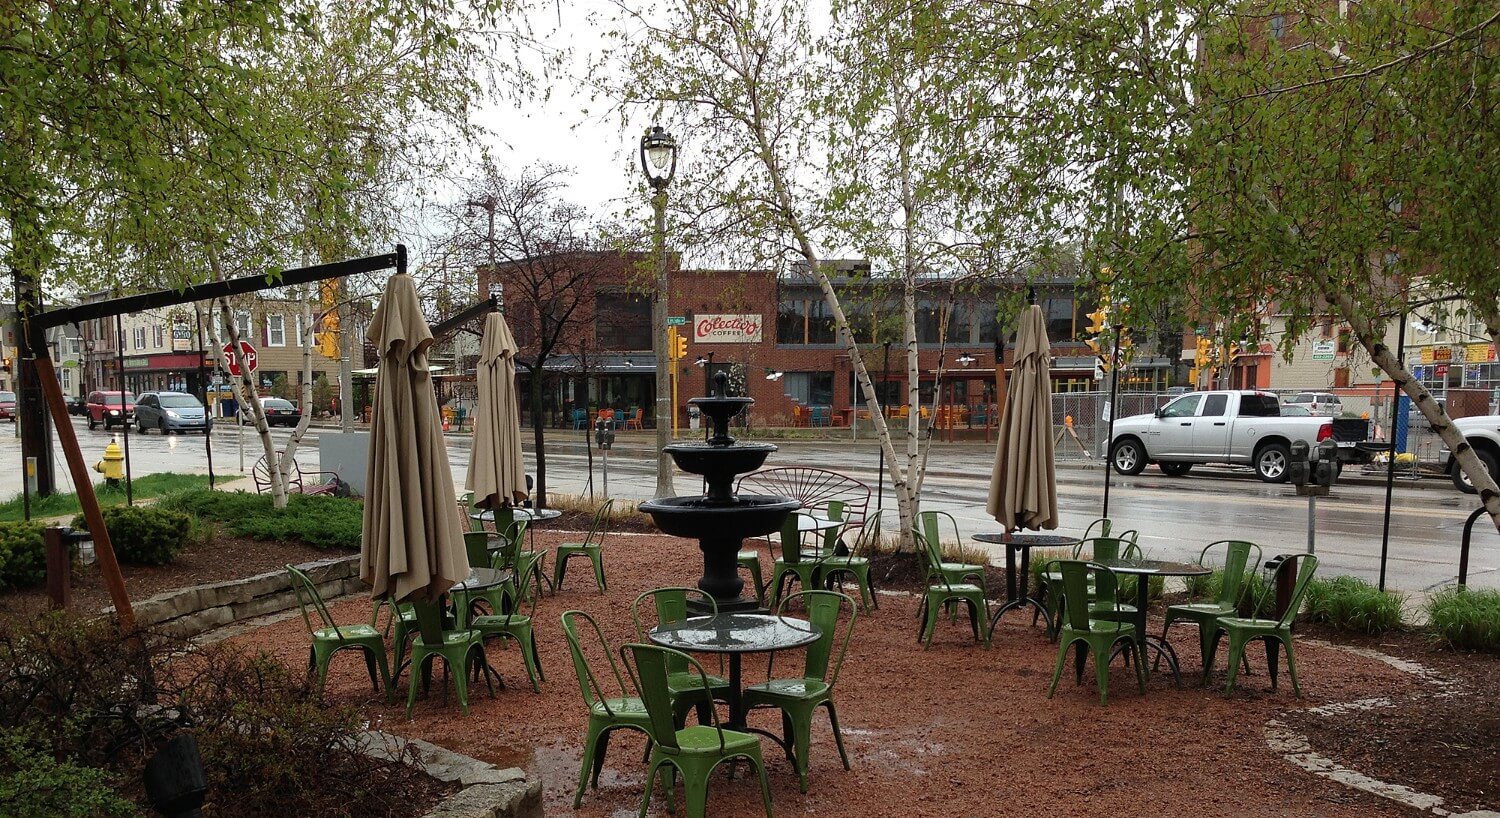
658 157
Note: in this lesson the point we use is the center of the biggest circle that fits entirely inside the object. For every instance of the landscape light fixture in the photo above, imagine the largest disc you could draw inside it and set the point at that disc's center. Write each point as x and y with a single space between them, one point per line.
774 375
702 361
658 157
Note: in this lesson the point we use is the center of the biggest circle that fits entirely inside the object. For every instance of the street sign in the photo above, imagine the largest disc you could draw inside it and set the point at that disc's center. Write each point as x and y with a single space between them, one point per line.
676 320
232 360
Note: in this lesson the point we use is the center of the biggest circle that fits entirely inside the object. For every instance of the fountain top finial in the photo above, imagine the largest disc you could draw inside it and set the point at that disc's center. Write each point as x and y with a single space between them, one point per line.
721 384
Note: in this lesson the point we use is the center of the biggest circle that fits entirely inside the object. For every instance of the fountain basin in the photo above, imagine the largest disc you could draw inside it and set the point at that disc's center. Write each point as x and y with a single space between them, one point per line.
749 515
714 460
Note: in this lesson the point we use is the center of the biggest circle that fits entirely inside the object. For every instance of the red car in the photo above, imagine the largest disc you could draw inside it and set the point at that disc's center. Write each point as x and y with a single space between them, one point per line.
8 406
110 408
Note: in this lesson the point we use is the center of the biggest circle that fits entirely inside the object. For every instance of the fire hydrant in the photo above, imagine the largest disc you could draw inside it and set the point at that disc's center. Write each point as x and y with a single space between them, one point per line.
113 464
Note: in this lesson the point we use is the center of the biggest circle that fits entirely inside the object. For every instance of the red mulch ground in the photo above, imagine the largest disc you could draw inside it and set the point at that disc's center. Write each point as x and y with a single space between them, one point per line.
223 558
955 730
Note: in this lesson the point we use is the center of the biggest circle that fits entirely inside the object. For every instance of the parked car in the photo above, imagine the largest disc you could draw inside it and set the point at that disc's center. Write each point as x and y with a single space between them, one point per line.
1239 427
110 408
78 406
1322 404
280 411
171 412
1483 433
8 406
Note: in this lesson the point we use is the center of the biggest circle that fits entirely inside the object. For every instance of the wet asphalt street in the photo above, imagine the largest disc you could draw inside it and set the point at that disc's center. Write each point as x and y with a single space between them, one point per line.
1176 516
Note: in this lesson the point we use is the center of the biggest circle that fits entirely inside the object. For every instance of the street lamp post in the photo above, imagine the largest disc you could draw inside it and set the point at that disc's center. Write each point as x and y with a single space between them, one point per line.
659 163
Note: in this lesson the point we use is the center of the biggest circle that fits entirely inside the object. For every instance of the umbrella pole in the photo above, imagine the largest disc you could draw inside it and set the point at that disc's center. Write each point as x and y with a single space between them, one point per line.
1114 385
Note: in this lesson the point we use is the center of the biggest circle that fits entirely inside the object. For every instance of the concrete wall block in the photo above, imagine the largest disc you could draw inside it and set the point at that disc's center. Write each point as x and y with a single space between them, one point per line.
268 604
235 592
327 570
196 623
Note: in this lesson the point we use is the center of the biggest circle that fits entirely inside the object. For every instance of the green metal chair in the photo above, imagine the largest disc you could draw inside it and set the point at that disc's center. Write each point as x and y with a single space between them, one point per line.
527 566
607 713
400 624
1098 548
1100 527
491 600
795 562
333 637
1239 555
749 559
943 592
459 649
955 572
800 697
592 548
856 563
693 751
1081 628
1241 630
687 688
514 624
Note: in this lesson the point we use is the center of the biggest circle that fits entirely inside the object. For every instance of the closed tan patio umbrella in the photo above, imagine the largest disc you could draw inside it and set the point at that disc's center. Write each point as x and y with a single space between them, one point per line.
1023 486
495 472
413 547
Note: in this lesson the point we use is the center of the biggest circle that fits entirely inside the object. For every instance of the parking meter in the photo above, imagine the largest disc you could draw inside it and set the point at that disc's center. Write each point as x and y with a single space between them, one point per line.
1298 470
604 433
1328 463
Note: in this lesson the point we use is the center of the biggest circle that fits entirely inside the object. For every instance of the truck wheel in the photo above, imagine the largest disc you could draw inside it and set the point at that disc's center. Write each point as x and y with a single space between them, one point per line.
1128 456
1462 482
91 423
1272 461
1175 469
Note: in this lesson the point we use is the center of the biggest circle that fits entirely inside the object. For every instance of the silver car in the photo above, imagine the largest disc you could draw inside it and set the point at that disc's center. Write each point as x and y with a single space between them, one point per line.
171 412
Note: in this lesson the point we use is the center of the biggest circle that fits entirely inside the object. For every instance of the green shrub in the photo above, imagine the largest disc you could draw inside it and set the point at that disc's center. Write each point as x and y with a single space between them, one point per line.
1466 618
33 782
23 555
144 535
321 521
1352 604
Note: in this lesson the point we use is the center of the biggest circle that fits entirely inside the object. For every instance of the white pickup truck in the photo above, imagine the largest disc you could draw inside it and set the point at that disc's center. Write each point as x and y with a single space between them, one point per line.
1483 433
1240 427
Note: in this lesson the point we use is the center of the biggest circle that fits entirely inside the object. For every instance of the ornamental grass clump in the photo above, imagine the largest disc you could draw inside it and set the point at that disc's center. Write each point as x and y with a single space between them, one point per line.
1352 604
1466 618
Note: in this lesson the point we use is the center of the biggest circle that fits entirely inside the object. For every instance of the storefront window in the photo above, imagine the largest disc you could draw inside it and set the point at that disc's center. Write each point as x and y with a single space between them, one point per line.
622 321
791 321
809 388
1059 311
820 323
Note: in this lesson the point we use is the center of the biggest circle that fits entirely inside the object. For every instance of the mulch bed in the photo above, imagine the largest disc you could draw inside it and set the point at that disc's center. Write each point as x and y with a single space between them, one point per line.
1445 745
223 558
955 730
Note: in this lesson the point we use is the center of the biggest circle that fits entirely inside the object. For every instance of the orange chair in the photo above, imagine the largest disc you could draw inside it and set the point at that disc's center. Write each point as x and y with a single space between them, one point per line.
634 421
799 415
606 414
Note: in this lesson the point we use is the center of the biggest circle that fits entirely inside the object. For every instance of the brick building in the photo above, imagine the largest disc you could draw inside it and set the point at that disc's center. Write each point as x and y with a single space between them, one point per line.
774 336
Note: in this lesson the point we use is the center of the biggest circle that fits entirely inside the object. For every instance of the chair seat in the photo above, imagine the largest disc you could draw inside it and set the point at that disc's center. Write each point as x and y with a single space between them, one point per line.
628 707
1201 608
1104 607
788 689
702 739
681 682
1245 623
748 555
961 566
845 561
499 622
450 639
578 546
1103 626
348 632
955 588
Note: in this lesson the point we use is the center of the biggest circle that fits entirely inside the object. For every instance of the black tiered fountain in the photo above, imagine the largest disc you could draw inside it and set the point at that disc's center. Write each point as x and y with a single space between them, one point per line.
719 520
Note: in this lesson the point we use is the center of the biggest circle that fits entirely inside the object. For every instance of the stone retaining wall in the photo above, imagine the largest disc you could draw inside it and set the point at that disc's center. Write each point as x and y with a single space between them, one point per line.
187 612
487 791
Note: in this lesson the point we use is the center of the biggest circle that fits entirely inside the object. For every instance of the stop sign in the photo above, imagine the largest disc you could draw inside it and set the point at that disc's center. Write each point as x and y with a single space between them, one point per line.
232 360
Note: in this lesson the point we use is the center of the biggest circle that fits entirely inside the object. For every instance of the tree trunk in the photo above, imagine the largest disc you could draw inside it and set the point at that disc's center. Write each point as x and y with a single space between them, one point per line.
537 392
1433 412
247 396
289 453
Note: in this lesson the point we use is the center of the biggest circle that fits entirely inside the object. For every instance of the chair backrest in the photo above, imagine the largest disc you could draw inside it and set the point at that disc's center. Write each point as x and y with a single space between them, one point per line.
596 528
823 611
588 682
1305 565
308 597
932 529
510 544
429 622
791 538
1098 528
1076 600
1237 559
833 511
261 472
648 666
477 546
1105 548
815 488
868 539
671 609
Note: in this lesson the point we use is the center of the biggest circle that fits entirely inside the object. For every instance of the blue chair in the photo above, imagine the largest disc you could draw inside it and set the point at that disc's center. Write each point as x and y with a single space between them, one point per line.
580 418
819 415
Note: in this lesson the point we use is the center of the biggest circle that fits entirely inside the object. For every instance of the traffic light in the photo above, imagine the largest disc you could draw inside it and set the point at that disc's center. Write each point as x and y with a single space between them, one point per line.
1099 319
7 363
676 344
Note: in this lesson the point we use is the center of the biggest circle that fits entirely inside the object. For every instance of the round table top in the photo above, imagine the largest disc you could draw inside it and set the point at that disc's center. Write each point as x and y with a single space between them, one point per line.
481 579
1161 568
815 522
736 633
522 514
1020 540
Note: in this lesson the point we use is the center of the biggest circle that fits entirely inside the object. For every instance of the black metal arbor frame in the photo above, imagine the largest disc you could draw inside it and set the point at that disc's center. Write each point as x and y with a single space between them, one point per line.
40 385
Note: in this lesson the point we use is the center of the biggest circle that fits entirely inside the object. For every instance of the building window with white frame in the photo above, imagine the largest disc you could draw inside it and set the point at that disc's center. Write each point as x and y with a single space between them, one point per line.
242 321
158 336
297 322
138 337
275 330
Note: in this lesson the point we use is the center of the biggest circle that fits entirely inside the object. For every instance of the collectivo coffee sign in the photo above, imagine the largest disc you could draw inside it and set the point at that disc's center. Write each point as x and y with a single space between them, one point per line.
727 329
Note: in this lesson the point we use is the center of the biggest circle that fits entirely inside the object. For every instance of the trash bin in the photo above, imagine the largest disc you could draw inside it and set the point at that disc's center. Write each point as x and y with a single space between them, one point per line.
693 414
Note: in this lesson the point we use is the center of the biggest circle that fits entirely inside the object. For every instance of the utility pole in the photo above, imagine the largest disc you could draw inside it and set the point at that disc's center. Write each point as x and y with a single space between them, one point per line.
659 163
31 411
